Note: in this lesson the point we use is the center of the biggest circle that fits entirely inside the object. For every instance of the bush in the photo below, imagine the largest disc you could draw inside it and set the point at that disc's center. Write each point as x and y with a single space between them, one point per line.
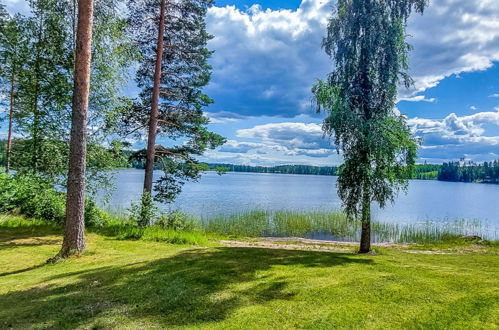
33 197
177 221
145 212
95 217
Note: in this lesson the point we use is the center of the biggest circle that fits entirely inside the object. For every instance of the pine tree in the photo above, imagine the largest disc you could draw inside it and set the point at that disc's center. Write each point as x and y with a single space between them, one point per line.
172 39
74 229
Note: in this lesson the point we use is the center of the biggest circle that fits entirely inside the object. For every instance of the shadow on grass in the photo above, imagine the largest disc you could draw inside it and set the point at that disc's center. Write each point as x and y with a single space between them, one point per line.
189 289
21 232
29 242
19 271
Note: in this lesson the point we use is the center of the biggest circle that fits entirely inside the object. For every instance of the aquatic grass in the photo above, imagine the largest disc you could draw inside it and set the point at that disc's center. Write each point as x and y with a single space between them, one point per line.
336 226
248 224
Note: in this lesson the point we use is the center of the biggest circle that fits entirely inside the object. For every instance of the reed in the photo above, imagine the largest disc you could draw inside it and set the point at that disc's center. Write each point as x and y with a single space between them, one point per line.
336 226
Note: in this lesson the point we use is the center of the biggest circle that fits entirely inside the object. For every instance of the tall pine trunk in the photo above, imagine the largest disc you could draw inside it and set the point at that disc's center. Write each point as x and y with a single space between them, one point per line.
74 230
11 114
365 236
153 119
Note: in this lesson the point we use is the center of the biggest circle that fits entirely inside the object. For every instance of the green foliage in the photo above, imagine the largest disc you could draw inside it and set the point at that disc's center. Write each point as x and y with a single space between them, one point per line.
284 169
3 150
143 213
470 172
366 40
178 221
37 53
32 196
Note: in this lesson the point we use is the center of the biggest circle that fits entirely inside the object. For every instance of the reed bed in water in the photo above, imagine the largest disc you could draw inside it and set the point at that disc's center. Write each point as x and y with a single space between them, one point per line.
336 226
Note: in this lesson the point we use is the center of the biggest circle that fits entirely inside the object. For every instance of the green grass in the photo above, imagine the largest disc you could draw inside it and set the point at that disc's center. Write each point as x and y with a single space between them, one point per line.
137 284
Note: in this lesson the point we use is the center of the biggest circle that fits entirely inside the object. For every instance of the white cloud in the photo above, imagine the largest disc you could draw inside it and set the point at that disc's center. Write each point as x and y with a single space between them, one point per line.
232 146
280 143
223 117
494 95
274 57
289 134
419 98
453 36
456 136
269 59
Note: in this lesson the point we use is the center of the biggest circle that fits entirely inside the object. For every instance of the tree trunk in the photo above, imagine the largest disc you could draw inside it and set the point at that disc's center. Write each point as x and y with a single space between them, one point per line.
11 113
365 237
153 119
36 112
74 230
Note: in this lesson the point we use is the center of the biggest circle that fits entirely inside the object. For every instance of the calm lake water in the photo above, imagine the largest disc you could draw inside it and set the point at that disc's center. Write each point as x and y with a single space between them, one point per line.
235 192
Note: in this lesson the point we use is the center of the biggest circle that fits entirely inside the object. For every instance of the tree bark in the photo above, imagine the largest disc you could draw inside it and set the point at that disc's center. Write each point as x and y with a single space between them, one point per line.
11 114
36 112
153 119
74 229
365 237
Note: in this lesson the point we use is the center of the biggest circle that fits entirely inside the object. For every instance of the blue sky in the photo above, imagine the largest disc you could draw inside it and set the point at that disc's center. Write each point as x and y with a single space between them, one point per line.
268 55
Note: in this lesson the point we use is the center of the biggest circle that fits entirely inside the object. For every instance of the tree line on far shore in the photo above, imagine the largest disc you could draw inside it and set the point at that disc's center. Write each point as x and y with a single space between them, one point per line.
487 172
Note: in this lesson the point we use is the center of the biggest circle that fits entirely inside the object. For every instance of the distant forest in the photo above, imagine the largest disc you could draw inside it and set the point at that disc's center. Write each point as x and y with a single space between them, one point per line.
459 171
487 172
422 172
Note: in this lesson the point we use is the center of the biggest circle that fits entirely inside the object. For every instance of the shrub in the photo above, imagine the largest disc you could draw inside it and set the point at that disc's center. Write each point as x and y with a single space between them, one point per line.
31 196
145 212
178 221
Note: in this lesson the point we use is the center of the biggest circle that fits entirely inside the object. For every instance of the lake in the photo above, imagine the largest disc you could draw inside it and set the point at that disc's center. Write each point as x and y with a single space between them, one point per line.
235 192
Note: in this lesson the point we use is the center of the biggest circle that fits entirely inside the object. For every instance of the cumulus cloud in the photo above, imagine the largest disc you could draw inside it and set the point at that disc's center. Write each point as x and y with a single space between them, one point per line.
494 95
457 136
239 147
299 142
265 61
453 36
288 134
224 117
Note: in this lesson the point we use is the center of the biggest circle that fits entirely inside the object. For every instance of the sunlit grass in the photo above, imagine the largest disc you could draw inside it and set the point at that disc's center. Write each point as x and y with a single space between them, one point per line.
142 284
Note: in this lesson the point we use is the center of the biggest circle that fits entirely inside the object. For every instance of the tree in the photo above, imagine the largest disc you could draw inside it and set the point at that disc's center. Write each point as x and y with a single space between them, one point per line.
172 39
42 100
366 40
74 229
12 50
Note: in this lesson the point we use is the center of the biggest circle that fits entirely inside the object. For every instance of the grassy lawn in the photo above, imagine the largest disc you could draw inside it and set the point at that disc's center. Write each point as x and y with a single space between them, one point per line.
138 284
